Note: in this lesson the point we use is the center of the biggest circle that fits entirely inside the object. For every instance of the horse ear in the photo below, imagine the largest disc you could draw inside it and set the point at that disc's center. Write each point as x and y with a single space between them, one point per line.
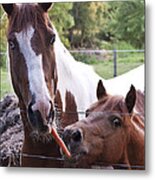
130 99
45 6
8 8
101 91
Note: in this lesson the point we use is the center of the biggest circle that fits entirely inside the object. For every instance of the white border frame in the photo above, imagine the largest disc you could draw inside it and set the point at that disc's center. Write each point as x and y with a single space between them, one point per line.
43 173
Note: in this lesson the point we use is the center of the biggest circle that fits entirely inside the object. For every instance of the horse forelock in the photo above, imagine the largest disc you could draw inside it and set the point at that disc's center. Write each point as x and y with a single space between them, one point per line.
109 106
25 15
110 103
138 123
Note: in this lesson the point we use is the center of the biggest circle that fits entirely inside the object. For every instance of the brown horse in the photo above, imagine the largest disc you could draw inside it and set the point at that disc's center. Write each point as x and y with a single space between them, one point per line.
51 86
34 78
111 134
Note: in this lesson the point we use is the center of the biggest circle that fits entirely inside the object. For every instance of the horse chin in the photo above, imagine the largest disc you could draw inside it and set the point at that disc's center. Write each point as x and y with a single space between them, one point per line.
40 137
84 160
77 160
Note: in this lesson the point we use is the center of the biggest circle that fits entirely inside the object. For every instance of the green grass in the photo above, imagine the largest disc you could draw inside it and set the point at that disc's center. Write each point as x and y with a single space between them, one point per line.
5 86
105 69
124 64
104 65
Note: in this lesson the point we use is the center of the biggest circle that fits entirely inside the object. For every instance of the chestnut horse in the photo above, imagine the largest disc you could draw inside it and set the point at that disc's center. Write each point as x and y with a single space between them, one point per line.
46 79
111 134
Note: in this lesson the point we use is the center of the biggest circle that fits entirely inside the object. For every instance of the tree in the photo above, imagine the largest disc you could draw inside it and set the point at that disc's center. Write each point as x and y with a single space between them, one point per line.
127 22
88 20
62 19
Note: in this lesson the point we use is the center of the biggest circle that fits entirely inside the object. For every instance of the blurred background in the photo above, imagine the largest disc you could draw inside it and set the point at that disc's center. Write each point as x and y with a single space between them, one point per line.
110 36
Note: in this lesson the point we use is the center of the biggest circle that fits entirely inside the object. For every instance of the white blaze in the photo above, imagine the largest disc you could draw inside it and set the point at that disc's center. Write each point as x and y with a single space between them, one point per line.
34 65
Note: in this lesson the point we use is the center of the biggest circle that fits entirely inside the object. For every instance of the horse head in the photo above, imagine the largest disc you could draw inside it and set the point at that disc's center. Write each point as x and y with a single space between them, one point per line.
32 62
104 135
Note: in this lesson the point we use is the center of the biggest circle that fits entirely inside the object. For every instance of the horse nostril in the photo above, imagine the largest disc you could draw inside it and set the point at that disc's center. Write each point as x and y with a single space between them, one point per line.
51 114
52 40
31 115
66 136
36 119
77 135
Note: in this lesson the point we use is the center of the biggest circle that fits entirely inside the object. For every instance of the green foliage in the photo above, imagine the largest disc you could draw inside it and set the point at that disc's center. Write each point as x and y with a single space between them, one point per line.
88 20
4 83
62 19
127 22
3 27
119 45
95 25
88 59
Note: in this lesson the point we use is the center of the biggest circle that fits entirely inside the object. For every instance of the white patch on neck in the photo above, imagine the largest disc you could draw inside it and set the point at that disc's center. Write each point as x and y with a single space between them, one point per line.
76 77
34 65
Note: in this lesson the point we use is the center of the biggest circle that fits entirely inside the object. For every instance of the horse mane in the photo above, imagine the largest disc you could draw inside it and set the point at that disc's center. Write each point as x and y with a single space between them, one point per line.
137 121
30 14
140 101
111 102
65 58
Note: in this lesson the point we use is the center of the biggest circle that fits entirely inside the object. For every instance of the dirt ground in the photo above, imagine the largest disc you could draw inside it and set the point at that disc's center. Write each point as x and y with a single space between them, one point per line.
11 132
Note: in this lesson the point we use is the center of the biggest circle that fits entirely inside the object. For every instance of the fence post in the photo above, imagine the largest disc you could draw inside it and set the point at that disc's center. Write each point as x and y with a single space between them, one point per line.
115 62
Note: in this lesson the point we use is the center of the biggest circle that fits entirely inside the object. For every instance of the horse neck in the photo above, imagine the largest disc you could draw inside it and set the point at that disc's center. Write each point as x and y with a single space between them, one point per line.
64 60
63 57
75 77
136 143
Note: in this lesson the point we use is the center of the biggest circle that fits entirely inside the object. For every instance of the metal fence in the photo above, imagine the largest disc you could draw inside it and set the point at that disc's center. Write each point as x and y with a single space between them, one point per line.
115 64
13 156
113 52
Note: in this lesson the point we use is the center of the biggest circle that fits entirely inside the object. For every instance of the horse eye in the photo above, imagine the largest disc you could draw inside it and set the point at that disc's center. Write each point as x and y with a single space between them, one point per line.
116 122
11 45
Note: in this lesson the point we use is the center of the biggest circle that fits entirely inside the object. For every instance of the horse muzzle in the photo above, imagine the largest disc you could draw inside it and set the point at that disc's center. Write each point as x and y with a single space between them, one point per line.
36 120
73 139
40 120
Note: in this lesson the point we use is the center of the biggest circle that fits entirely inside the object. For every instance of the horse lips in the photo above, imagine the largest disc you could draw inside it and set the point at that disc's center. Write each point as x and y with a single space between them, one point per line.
60 142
